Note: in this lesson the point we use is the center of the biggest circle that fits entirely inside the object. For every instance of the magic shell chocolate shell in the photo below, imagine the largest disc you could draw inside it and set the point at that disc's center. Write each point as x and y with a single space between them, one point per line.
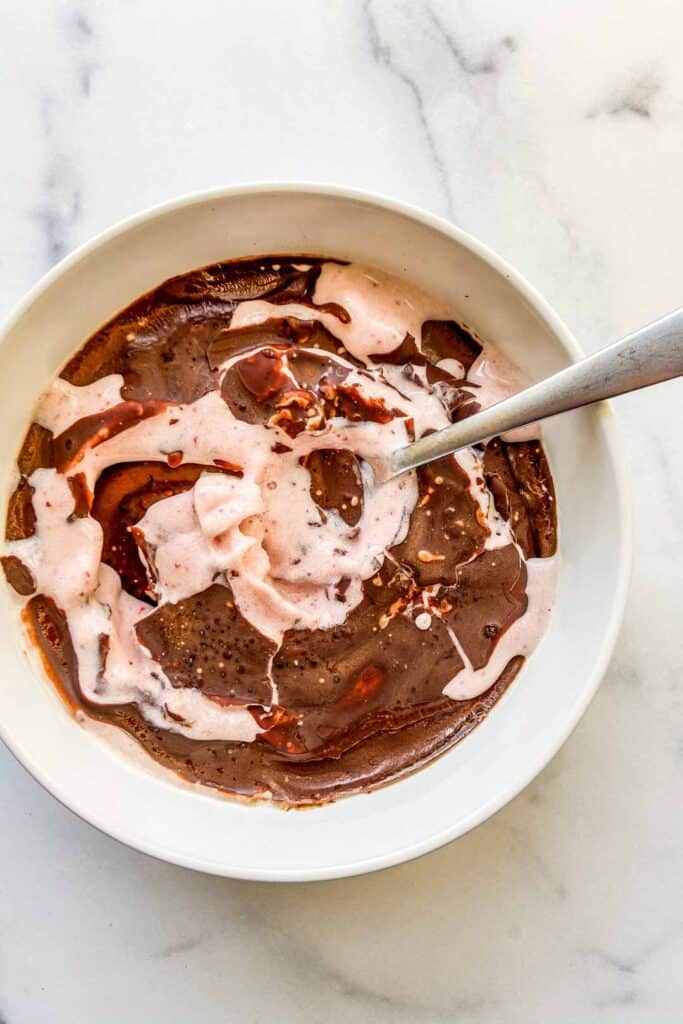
205 562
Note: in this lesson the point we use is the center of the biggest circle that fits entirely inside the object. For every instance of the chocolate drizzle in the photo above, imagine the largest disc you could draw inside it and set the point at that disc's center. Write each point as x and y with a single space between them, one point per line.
446 528
70 446
480 611
296 389
519 479
336 482
21 516
18 575
445 339
205 642
122 496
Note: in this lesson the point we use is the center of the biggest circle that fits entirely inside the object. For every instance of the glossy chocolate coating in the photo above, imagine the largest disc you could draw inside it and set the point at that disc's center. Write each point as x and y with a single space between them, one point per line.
359 704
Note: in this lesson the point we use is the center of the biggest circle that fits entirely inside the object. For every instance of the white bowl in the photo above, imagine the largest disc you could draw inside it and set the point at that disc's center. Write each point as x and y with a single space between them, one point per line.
190 826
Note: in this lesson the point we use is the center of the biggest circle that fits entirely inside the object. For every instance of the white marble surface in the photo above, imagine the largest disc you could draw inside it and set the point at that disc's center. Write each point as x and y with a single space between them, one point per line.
554 132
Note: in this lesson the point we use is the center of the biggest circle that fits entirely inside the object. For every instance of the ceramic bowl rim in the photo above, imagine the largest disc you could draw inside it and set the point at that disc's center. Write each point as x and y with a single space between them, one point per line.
615 452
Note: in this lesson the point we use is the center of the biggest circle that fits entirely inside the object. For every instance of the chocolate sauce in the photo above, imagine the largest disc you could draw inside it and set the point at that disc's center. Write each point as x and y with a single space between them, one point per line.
342 709
205 642
123 494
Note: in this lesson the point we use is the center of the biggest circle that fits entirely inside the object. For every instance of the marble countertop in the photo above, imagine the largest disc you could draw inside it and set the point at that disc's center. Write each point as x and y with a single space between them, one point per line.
553 132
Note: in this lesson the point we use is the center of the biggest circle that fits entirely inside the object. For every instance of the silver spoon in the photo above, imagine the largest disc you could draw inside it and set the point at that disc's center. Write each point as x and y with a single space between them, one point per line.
651 355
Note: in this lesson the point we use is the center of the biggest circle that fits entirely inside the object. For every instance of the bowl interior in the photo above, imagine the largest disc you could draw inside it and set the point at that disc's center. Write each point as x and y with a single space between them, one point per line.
147 809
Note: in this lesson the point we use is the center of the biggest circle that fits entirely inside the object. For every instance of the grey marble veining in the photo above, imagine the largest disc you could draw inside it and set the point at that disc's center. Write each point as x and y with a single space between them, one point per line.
382 54
553 133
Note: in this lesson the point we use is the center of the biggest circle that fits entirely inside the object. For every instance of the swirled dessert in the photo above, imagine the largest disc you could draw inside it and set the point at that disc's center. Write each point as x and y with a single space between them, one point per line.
204 558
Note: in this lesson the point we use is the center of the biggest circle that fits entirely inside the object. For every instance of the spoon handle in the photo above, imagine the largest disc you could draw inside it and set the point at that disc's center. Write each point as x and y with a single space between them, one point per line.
650 355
